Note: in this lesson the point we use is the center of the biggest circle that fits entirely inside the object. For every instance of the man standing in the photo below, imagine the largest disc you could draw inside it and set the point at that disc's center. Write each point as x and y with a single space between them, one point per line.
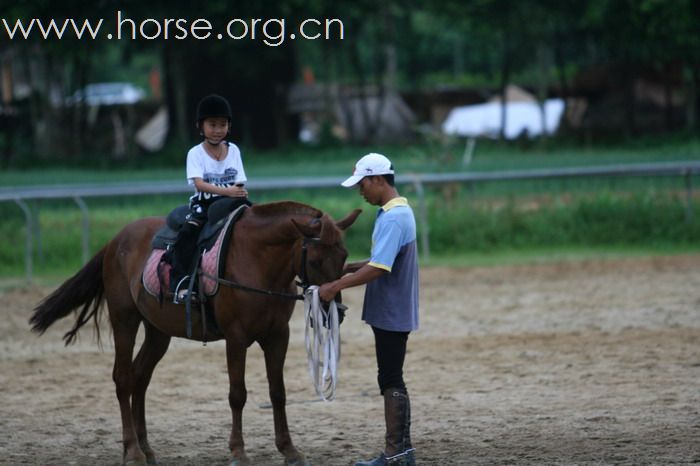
391 297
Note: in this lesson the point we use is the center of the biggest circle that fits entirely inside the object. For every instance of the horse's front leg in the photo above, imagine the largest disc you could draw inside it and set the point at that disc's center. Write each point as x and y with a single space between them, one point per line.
235 360
275 348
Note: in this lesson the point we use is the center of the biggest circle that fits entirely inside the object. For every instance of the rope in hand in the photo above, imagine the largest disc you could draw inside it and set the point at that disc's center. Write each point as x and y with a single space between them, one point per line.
322 337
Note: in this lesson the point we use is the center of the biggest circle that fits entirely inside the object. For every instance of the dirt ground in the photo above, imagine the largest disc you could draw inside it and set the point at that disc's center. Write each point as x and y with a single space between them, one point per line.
572 363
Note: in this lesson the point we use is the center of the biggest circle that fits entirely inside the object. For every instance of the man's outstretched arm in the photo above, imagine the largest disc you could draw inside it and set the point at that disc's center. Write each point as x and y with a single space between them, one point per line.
366 273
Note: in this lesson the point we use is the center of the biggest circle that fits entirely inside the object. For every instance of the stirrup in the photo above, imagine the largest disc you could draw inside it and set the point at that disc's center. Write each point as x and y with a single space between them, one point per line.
184 295
180 294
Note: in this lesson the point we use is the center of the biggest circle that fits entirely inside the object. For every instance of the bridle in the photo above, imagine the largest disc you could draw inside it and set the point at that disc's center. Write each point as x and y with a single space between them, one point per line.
303 281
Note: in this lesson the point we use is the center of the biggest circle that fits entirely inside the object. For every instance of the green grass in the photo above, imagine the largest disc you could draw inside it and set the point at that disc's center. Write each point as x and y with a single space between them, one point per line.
338 161
495 222
542 255
464 227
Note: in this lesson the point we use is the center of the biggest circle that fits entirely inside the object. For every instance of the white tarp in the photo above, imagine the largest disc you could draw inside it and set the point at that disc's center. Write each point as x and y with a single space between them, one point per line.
151 136
521 118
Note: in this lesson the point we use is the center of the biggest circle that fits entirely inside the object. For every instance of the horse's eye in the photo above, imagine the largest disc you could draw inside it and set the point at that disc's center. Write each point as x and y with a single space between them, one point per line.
316 263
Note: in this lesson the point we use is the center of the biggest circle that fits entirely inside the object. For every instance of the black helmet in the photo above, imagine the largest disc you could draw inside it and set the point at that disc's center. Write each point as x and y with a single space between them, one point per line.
213 106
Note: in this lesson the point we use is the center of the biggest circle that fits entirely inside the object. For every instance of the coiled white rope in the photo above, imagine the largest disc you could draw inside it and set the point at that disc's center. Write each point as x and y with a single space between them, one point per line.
322 337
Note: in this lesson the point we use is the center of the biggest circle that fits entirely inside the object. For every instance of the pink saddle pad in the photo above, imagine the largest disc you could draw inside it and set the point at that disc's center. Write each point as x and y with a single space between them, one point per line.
209 266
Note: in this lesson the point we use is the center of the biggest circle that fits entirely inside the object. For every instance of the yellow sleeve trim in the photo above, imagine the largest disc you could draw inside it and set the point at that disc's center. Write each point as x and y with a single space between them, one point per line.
380 266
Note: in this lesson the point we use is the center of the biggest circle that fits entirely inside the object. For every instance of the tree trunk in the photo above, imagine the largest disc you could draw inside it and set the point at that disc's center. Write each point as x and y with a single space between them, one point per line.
344 101
668 100
175 93
363 129
35 115
457 57
505 77
692 78
544 61
630 100
80 64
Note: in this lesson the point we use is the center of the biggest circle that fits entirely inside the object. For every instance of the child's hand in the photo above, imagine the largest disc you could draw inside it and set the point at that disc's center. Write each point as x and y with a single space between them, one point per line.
236 191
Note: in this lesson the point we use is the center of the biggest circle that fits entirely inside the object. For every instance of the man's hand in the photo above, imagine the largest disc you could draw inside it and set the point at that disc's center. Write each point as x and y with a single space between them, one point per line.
365 274
327 292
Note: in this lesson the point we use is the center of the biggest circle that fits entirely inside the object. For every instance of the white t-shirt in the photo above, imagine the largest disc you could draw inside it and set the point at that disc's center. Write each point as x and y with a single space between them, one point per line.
226 172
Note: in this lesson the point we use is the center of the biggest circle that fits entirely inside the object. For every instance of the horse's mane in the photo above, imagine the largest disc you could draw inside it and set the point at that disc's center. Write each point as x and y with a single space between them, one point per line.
276 209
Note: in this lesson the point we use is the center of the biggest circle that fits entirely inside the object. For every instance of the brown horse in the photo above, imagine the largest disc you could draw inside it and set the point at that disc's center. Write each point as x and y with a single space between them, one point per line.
271 244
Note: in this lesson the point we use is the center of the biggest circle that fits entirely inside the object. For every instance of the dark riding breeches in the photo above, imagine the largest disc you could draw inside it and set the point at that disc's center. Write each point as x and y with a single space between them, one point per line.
391 352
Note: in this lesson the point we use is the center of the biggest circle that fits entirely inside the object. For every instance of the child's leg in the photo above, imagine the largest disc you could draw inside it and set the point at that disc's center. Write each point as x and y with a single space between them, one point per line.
184 250
185 246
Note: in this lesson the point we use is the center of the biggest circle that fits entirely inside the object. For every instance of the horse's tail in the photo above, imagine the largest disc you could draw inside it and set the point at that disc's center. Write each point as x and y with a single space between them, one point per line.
85 289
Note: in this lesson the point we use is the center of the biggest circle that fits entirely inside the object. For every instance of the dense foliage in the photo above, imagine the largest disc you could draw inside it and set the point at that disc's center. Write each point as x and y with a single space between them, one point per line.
412 46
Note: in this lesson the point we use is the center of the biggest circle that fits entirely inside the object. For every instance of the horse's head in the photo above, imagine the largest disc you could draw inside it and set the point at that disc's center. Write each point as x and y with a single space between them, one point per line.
321 255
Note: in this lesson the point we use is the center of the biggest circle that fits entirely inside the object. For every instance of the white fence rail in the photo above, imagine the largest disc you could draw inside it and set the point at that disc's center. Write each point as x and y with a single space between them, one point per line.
78 193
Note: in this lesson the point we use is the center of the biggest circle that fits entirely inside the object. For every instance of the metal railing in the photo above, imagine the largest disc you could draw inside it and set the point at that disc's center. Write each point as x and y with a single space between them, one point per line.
19 195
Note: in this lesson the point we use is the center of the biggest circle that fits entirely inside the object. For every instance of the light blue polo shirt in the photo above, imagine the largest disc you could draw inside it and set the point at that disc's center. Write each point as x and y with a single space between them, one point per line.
391 301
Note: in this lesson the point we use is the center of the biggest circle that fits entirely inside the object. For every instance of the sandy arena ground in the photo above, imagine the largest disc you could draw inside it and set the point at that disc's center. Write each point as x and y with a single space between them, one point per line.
571 363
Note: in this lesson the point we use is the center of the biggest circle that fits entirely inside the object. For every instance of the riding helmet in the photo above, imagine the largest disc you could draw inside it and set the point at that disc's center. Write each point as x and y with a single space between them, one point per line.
213 106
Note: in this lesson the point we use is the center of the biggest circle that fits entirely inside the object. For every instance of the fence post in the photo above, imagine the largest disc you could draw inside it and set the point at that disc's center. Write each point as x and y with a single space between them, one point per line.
28 244
86 227
689 195
422 217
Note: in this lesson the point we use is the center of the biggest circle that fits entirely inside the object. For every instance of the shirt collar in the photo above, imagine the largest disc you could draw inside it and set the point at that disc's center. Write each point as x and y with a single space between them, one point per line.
395 202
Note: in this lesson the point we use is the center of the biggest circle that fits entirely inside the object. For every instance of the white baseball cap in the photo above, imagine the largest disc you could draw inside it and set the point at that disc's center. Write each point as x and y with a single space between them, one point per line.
370 165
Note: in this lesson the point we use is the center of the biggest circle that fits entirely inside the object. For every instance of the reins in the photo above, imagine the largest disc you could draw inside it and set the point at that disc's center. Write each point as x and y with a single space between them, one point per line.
239 286
322 339
304 283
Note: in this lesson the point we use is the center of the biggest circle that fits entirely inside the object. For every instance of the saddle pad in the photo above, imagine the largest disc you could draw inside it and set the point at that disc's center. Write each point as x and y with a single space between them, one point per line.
210 261
150 279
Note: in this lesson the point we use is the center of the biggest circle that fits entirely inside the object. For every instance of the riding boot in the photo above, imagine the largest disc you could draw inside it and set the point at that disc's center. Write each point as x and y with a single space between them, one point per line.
184 250
397 414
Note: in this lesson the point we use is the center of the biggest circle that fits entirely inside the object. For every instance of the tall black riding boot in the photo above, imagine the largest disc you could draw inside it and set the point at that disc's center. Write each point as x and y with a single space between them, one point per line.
183 252
397 415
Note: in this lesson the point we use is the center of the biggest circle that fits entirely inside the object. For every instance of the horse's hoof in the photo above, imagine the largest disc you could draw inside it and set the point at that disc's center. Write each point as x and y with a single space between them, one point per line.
135 463
300 461
151 459
239 462
150 455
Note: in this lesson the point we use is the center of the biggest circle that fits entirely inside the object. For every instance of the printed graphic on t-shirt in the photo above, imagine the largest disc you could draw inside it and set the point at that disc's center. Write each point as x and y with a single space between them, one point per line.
224 180
218 179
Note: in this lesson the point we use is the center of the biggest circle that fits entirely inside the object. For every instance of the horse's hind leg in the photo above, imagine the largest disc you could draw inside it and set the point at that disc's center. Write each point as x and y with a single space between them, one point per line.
125 324
275 348
154 346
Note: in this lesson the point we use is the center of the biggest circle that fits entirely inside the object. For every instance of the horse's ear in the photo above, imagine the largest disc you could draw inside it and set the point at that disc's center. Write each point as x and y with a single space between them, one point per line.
329 232
345 223
309 231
